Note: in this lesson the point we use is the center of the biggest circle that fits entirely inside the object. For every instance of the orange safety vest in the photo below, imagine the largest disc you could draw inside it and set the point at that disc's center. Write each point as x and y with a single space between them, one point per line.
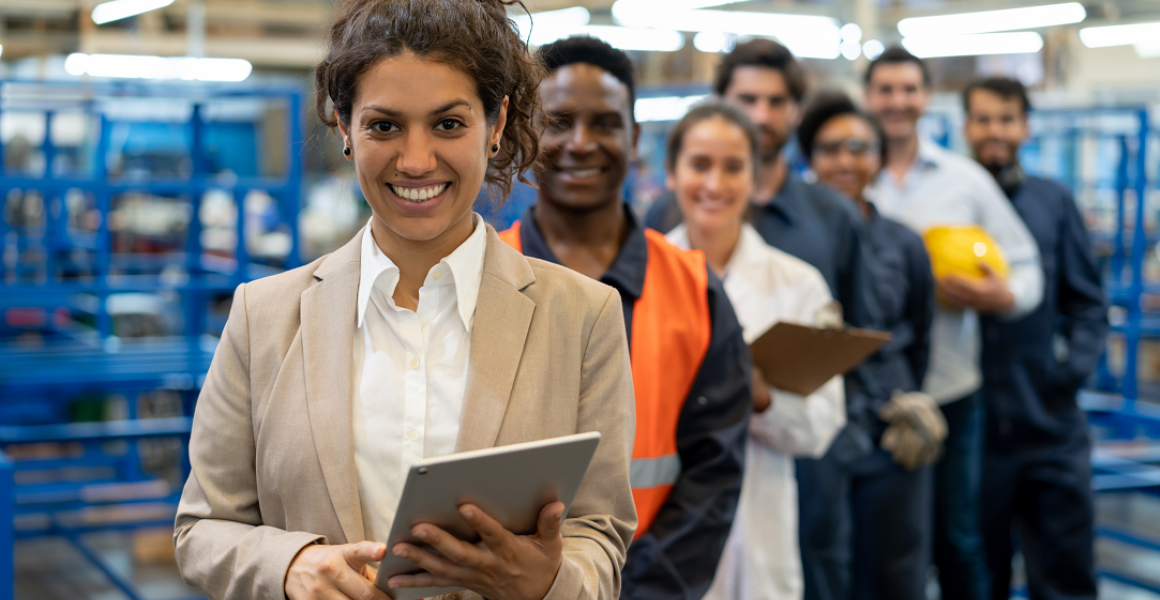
670 336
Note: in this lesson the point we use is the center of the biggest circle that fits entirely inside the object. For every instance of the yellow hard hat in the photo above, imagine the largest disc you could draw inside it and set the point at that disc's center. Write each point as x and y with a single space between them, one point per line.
958 250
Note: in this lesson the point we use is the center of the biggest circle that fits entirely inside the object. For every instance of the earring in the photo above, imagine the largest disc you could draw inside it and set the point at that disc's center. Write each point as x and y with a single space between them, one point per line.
346 150
494 148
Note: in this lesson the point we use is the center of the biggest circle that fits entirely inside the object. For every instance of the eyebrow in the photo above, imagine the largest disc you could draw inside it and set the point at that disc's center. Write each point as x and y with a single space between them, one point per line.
394 113
600 115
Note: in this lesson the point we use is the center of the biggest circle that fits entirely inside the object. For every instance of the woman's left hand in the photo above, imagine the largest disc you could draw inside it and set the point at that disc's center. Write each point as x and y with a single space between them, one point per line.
503 566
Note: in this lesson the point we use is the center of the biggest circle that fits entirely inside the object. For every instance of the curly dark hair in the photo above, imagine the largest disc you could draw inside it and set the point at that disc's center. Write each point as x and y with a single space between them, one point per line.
474 36
592 51
826 105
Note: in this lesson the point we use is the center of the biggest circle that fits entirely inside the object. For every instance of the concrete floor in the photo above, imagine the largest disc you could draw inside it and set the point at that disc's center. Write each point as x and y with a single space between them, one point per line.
52 569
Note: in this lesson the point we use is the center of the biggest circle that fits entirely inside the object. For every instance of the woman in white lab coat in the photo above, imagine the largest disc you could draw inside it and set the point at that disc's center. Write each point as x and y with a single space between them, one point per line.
711 166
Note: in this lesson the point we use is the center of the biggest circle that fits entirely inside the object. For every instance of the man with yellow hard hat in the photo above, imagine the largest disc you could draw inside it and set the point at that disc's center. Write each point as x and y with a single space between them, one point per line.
925 186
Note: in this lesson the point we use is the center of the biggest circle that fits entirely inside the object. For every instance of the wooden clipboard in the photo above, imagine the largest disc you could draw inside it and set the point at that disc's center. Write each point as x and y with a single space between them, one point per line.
800 359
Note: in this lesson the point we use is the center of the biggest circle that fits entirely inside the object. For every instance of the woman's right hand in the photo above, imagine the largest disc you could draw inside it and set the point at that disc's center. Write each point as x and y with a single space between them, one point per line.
335 572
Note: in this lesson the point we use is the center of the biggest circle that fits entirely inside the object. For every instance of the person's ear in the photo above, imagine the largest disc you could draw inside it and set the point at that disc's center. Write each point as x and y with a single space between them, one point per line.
670 181
500 125
347 145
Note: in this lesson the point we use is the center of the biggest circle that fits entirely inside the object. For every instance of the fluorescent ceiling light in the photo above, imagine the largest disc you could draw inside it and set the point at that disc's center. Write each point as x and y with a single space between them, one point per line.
1011 19
1119 35
873 49
806 36
155 67
664 108
120 9
974 45
671 5
548 26
633 38
713 41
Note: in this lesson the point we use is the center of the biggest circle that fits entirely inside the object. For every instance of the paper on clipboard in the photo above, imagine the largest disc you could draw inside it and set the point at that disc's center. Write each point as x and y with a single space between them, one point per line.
800 358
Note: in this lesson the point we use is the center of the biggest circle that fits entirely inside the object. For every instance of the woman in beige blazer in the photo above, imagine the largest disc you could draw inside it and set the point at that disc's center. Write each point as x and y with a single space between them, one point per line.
432 99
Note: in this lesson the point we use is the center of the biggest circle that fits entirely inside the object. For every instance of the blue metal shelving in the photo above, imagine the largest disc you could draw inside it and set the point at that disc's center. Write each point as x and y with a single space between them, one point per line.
60 277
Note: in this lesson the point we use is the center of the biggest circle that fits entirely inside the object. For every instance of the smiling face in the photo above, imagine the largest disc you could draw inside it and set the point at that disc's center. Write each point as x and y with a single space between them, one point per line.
897 95
846 155
764 96
588 140
995 128
712 176
420 144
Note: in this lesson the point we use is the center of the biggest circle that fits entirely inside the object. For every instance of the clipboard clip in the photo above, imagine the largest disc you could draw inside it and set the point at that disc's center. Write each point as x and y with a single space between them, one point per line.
829 316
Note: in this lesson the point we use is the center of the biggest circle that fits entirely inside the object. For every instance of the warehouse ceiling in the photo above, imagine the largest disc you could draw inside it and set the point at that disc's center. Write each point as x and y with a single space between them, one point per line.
288 33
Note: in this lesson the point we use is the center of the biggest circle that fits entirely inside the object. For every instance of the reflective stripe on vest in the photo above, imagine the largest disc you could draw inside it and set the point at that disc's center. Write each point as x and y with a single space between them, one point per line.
670 336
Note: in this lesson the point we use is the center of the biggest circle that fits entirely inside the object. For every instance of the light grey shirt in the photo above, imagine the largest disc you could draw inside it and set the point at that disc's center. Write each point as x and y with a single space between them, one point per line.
943 188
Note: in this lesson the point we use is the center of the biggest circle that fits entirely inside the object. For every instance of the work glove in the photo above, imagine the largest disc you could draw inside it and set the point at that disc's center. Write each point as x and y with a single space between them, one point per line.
916 431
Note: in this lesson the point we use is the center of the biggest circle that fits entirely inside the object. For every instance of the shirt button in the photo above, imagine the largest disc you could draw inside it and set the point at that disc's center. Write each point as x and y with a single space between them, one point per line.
412 434
414 363
437 275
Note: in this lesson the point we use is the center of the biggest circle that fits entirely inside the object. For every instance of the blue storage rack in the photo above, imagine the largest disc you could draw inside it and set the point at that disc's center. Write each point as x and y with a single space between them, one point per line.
56 281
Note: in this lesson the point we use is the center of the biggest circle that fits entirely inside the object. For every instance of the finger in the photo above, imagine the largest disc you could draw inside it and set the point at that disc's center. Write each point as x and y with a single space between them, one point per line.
451 547
421 580
358 555
370 573
437 566
551 520
494 535
986 268
354 585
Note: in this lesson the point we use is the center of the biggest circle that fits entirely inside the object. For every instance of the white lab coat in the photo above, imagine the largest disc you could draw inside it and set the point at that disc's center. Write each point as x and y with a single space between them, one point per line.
762 559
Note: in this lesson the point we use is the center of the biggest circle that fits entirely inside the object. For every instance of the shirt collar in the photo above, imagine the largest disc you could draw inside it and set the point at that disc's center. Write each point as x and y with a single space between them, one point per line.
930 154
749 245
627 271
787 202
464 265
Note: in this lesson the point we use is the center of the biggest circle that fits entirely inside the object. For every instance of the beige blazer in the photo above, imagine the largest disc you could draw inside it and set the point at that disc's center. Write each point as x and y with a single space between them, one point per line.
271 450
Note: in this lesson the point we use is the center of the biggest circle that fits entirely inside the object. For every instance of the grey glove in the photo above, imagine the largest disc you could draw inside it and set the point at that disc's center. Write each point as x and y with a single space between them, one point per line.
916 431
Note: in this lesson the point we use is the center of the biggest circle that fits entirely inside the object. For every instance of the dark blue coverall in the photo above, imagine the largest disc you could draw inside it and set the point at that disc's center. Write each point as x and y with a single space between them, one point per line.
1037 456
821 226
891 505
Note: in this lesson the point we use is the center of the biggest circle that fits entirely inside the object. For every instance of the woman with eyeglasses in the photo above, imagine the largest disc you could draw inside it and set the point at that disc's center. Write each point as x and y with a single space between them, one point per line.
712 157
891 487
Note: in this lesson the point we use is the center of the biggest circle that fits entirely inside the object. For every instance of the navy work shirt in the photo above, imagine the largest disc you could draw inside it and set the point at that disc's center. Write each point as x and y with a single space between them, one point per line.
906 297
822 227
1030 392
677 557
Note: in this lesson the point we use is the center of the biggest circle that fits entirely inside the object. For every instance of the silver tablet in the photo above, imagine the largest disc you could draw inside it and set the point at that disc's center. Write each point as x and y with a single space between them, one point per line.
511 483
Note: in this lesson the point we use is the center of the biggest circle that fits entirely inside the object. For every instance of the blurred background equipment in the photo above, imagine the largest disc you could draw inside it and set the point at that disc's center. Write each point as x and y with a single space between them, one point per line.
156 153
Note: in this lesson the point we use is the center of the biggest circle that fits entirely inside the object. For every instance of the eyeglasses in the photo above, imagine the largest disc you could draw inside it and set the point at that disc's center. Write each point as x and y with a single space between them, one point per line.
855 146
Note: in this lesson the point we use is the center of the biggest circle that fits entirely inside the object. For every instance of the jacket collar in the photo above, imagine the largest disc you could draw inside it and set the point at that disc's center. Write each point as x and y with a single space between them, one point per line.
328 321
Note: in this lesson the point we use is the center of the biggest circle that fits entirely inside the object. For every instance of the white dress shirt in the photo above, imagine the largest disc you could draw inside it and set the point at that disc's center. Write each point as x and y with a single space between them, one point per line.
411 371
761 559
944 188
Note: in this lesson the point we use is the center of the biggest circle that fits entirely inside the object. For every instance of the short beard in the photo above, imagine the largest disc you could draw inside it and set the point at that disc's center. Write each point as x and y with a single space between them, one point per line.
770 154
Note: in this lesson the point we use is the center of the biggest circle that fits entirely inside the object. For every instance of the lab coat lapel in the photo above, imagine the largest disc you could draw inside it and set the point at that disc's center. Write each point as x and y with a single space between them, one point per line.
503 316
329 309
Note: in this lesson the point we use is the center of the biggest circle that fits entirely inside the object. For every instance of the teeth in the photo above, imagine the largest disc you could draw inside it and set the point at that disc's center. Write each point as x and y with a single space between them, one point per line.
420 194
584 172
